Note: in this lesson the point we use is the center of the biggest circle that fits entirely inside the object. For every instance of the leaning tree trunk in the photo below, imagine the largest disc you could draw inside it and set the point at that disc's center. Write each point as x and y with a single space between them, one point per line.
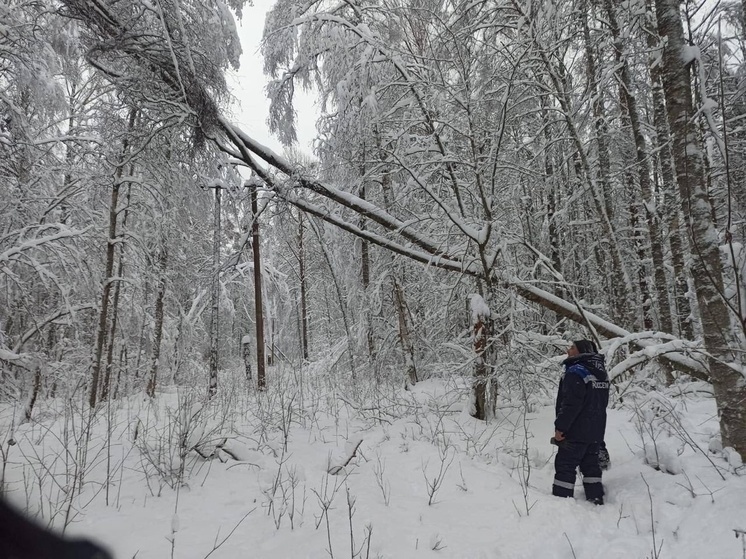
729 385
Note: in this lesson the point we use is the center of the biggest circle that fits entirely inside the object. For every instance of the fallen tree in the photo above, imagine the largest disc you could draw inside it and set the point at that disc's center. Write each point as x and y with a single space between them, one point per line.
116 48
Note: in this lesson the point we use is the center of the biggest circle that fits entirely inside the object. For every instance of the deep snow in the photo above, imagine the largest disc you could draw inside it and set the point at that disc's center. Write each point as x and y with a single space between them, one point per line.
696 499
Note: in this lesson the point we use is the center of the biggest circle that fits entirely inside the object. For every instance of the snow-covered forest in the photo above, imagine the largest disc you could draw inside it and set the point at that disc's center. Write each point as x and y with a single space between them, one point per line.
210 348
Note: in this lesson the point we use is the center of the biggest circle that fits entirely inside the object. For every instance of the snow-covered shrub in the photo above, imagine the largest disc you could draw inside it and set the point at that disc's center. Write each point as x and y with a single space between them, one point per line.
658 423
284 496
175 433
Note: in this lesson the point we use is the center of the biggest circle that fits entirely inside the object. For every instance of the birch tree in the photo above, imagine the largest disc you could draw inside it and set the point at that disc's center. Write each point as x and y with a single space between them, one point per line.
719 338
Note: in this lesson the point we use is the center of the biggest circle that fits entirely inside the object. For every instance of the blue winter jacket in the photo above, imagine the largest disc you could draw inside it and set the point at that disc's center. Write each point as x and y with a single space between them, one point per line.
582 398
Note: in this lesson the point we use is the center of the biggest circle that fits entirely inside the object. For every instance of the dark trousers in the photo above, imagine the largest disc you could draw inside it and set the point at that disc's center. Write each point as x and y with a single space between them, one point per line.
570 456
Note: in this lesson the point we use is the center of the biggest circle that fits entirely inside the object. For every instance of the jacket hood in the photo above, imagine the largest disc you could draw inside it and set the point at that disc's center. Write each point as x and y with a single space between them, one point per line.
594 362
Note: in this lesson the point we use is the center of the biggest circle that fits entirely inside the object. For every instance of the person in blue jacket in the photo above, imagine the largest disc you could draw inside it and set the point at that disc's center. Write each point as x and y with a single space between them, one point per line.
581 421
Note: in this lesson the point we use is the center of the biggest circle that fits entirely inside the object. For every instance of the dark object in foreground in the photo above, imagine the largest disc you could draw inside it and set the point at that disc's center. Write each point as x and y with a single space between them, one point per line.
21 538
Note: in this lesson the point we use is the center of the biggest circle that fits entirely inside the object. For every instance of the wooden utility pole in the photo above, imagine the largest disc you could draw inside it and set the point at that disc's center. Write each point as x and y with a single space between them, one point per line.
303 289
261 380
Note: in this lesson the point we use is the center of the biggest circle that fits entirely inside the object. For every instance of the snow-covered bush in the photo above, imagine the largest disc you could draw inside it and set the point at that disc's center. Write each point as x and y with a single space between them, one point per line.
175 433
655 418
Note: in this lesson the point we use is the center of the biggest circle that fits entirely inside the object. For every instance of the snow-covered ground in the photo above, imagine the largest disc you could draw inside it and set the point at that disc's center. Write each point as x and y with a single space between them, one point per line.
426 481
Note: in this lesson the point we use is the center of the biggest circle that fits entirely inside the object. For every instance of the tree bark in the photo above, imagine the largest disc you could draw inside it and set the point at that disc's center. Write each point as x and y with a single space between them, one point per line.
728 384
158 330
35 388
246 354
111 338
365 273
638 239
671 205
485 386
405 335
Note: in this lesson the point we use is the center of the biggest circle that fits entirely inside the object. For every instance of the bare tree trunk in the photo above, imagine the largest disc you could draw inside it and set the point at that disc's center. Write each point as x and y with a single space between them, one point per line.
683 308
260 373
365 260
405 335
176 355
36 387
246 354
272 339
111 338
160 297
728 384
303 289
638 240
121 366
485 389
158 330
142 339
215 296
365 272
103 317
550 188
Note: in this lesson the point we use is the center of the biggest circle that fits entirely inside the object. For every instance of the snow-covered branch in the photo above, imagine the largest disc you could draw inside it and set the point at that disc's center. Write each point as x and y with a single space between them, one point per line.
63 232
674 352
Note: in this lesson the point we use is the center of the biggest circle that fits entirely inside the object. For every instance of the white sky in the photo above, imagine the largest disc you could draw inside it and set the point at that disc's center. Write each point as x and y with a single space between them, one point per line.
249 82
